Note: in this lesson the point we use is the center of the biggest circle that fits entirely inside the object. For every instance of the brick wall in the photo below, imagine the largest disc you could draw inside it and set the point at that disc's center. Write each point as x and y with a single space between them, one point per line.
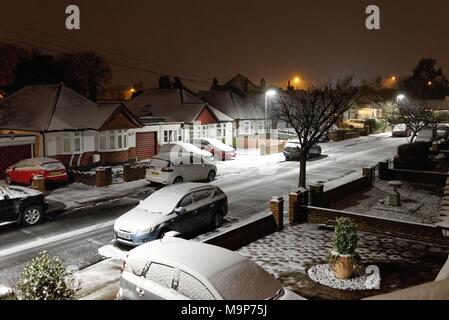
426 177
245 234
87 178
107 158
414 231
326 198
132 173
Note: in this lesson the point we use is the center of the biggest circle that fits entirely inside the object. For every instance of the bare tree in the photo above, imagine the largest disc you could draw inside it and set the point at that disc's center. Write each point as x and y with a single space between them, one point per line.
416 115
312 113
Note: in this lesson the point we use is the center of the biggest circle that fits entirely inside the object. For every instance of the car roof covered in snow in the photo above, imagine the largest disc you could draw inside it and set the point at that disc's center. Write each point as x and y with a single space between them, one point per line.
55 108
39 161
232 275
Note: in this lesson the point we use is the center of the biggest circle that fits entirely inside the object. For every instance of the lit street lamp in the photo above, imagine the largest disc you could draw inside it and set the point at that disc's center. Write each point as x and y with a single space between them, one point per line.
400 98
268 94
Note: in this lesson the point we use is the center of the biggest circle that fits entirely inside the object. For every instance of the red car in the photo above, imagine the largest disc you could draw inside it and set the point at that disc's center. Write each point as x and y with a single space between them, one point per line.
24 171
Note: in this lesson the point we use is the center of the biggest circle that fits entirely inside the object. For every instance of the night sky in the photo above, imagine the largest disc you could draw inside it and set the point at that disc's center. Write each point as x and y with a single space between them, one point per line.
258 38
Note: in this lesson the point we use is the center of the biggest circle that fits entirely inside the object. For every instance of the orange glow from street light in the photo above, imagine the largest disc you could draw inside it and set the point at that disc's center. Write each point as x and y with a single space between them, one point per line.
429 83
393 78
132 90
297 80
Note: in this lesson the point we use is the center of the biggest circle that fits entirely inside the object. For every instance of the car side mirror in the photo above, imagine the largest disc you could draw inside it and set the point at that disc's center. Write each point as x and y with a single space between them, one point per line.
180 211
13 168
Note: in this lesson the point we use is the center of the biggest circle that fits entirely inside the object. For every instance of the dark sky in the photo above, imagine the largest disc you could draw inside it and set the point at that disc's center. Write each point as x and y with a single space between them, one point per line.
258 38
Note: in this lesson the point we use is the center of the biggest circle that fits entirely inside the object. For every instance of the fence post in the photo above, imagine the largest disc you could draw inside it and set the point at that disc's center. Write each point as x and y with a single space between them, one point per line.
384 173
277 209
127 172
316 195
38 183
370 174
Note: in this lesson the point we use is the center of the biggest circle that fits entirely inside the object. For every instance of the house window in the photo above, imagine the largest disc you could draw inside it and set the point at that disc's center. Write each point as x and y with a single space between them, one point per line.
77 142
66 143
103 143
261 126
247 127
172 135
72 143
113 140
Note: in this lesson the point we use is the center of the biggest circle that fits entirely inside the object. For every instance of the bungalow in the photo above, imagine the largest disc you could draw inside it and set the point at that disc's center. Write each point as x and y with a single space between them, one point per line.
59 123
243 101
171 115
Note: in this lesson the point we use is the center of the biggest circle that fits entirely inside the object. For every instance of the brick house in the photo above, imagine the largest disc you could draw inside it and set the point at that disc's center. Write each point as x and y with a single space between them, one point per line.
243 101
68 127
172 115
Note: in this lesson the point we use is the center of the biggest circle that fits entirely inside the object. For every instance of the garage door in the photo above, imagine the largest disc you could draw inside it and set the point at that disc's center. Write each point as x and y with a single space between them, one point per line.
10 155
145 145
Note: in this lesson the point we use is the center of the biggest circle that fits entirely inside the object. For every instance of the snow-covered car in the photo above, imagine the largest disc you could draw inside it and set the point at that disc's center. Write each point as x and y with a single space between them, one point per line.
442 131
168 169
401 130
216 148
182 149
23 205
292 151
184 208
177 269
23 172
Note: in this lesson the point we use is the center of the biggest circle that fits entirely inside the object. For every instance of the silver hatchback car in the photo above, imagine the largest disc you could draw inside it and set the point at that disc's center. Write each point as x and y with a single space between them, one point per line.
177 269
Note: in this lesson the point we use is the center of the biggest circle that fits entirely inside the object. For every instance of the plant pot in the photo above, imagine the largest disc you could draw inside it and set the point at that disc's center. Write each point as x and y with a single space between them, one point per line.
342 267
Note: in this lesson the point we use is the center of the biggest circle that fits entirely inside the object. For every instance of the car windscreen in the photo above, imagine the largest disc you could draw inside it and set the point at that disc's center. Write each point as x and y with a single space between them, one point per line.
161 201
53 166
258 284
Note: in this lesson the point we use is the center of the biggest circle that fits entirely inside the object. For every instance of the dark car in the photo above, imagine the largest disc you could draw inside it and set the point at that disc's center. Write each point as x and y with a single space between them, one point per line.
19 204
184 208
292 151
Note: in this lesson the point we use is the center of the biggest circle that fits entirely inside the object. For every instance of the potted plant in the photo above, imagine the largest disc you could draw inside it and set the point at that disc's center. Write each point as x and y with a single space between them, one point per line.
343 257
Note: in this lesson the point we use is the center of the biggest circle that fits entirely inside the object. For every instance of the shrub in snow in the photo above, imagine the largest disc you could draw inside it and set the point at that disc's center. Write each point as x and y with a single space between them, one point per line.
46 279
343 257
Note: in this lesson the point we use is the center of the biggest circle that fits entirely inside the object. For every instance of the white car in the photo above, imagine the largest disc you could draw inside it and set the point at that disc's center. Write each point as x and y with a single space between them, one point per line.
170 168
185 149
177 269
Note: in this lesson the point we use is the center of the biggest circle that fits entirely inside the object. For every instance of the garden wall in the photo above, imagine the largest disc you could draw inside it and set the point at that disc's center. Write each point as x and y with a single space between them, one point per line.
407 230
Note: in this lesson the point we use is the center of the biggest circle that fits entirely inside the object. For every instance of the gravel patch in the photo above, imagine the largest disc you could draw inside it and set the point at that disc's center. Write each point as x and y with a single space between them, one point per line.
323 275
420 203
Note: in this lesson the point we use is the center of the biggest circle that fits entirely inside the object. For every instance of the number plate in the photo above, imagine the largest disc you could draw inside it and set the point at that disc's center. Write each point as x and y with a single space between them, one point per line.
124 235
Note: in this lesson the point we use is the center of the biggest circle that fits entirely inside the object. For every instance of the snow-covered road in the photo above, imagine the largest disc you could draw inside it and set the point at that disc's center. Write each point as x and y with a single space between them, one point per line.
249 182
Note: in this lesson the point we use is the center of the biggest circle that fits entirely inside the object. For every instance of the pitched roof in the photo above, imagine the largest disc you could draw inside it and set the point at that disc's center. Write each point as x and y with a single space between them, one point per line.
172 105
54 108
239 107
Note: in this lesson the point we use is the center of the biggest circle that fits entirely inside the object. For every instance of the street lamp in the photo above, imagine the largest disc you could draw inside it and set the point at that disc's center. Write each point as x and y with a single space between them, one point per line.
268 94
400 97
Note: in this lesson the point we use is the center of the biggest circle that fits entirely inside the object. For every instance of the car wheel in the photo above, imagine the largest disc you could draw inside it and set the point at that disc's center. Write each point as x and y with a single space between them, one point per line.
32 215
217 220
178 180
211 176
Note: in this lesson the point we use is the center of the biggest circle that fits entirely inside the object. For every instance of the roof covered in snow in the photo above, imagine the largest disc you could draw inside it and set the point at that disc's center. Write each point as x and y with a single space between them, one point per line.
241 107
172 105
54 108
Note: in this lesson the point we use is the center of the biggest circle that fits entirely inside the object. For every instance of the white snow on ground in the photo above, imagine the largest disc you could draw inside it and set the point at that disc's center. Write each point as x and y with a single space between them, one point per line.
323 274
5 291
78 195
